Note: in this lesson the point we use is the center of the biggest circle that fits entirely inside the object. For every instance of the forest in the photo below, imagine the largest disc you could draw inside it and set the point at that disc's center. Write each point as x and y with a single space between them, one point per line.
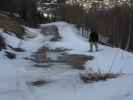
111 18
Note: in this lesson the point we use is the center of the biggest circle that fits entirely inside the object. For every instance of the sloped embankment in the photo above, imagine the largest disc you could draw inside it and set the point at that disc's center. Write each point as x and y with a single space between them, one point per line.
9 24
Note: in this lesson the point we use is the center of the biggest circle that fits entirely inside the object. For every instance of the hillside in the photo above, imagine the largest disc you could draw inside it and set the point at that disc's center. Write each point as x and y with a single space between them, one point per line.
9 24
35 73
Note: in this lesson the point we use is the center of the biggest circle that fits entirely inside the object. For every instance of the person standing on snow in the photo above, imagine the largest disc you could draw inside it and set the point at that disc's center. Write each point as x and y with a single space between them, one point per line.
93 39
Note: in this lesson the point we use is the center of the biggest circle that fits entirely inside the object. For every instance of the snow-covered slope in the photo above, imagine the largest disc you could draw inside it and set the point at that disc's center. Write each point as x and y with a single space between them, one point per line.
70 38
107 58
64 83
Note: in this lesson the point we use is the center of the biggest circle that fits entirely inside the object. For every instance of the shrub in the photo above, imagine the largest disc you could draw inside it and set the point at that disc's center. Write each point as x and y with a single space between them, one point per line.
97 76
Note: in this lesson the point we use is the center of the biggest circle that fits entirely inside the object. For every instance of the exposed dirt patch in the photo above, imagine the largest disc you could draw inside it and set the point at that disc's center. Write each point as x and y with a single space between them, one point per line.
45 57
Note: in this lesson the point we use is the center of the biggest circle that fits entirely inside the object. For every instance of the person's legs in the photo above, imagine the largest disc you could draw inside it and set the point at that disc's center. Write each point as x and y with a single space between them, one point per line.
91 46
96 46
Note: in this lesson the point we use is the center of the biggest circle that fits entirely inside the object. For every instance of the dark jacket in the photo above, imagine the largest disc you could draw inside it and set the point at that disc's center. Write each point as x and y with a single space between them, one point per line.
93 37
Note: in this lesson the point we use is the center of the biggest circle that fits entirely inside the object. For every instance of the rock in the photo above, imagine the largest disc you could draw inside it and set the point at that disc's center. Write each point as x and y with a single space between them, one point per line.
41 56
38 83
55 38
43 65
59 50
2 43
19 50
46 56
10 55
51 30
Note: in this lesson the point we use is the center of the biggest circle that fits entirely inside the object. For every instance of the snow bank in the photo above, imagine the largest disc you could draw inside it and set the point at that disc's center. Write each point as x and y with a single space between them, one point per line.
65 83
107 59
119 89
28 44
70 37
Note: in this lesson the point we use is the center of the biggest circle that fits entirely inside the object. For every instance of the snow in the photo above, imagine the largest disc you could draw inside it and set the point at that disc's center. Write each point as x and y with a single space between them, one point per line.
63 82
111 90
108 58
70 38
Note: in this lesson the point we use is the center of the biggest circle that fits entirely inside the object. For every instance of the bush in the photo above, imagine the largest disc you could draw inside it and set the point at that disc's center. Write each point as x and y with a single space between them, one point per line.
97 76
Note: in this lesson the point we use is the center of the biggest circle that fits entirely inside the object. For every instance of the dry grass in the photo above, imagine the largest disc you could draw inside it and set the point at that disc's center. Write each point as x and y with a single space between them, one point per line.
11 25
79 61
97 76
